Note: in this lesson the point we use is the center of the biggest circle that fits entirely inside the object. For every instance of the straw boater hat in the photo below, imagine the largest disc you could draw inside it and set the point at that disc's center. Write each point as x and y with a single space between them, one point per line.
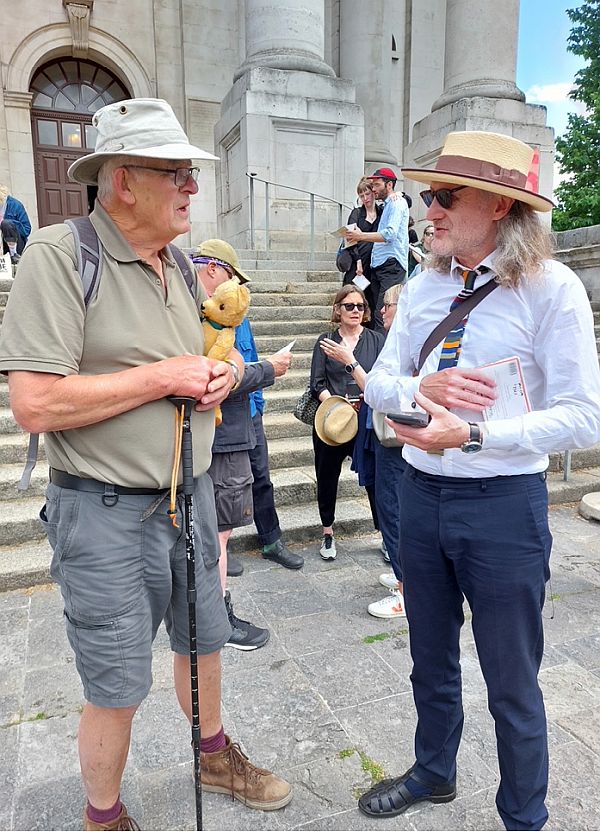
336 421
492 162
138 128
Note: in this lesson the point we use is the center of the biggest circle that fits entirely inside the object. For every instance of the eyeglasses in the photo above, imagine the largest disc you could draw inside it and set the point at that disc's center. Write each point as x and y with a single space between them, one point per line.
443 196
428 233
208 260
180 176
387 305
350 306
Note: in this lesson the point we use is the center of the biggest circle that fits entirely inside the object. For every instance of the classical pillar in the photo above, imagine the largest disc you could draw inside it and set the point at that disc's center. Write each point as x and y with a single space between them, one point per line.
481 51
295 127
480 94
287 35
366 58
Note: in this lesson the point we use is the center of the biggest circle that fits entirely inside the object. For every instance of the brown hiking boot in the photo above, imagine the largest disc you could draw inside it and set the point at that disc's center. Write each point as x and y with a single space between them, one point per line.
230 771
121 823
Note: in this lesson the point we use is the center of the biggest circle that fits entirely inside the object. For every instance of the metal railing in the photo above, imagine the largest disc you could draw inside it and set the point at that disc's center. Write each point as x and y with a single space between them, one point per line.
312 195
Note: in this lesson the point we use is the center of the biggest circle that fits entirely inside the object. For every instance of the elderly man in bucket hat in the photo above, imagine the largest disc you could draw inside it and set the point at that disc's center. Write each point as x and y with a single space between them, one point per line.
95 379
473 516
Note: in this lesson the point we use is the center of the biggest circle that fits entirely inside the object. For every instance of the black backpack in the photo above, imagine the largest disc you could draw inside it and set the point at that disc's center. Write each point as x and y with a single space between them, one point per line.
89 267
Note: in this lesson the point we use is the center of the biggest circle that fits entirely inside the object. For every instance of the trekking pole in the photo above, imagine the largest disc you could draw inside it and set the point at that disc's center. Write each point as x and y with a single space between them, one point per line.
184 408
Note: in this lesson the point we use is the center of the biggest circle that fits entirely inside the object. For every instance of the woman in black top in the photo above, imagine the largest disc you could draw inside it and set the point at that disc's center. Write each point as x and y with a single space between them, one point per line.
340 362
366 218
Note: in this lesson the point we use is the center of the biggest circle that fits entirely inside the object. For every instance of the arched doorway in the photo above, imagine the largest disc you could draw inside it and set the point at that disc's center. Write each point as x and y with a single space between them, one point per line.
66 93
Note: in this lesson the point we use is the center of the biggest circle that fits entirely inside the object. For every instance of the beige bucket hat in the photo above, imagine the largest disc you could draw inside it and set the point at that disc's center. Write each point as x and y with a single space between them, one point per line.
336 421
493 162
215 249
139 128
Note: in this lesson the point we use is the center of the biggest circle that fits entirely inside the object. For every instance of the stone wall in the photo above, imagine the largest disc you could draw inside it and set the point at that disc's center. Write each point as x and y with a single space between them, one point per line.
580 250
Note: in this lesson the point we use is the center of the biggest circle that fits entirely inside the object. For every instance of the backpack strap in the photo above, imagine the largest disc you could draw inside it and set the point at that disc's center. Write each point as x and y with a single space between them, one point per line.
89 267
89 255
185 266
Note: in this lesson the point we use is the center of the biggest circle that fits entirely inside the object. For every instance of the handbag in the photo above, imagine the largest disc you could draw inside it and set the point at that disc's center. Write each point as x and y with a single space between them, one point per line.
306 407
385 434
344 259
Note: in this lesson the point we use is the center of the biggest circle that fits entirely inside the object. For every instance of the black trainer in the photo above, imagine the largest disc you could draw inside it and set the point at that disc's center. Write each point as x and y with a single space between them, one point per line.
284 556
244 635
234 566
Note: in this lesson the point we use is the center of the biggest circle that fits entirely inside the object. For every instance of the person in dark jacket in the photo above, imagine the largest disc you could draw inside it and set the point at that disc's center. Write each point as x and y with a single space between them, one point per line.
14 224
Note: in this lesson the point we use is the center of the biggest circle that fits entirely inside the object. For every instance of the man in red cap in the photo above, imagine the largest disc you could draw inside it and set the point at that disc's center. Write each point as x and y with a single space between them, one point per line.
389 259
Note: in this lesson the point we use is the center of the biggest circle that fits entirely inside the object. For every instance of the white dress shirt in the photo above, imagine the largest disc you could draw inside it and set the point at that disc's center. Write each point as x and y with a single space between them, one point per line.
547 322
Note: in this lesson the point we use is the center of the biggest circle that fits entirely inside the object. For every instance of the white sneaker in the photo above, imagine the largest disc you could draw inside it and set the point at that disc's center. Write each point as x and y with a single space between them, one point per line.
389 608
328 550
389 580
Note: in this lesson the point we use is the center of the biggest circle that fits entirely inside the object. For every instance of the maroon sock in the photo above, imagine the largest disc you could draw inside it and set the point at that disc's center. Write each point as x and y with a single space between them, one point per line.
213 743
101 815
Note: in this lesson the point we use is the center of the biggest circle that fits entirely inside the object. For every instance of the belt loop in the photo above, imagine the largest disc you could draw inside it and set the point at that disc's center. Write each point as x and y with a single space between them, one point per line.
110 497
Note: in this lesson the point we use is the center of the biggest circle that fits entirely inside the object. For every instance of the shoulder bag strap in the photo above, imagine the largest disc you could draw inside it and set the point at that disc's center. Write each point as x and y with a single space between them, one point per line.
454 317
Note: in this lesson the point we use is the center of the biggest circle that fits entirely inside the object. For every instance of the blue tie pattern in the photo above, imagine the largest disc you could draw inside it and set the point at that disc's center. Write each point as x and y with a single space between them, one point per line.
453 342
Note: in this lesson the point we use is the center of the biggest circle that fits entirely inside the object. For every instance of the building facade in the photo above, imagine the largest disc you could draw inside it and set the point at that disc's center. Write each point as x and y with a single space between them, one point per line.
304 94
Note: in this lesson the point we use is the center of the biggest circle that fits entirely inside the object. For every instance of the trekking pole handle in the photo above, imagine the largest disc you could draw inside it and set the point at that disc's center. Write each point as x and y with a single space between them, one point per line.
187 452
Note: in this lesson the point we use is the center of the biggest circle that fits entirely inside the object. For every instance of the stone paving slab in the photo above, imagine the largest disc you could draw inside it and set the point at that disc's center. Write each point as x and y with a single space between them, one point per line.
327 703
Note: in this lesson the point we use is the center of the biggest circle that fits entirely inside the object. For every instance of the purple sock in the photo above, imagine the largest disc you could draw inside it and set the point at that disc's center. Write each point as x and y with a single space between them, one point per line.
213 743
101 815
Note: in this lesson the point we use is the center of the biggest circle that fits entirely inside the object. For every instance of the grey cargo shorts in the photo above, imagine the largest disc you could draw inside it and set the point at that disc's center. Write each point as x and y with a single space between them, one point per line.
122 571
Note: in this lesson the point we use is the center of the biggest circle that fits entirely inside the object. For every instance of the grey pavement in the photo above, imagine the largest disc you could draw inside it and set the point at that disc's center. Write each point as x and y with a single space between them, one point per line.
326 703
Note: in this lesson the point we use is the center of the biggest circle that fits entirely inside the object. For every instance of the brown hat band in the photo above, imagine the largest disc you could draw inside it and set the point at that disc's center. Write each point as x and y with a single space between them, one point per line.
469 167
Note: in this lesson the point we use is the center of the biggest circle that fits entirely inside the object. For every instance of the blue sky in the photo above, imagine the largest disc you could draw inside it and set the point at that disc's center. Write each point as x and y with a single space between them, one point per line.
545 70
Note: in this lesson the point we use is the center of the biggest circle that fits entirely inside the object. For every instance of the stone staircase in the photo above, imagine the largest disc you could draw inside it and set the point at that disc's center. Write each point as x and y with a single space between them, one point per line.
288 302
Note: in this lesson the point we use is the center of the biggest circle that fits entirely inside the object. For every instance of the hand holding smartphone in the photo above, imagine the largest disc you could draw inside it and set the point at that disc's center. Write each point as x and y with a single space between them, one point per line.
410 419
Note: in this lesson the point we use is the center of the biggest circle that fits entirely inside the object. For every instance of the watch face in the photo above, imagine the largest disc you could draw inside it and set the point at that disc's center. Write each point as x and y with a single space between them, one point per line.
471 447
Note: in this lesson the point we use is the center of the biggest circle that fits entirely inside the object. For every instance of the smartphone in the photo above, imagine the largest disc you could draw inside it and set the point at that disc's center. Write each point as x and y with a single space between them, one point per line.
412 419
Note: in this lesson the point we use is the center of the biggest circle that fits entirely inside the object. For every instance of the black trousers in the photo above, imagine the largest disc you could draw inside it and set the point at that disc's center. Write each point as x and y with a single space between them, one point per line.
383 277
328 467
265 514
11 233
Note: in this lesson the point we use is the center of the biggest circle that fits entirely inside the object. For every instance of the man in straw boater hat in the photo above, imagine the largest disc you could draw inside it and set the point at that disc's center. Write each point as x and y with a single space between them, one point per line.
474 510
95 377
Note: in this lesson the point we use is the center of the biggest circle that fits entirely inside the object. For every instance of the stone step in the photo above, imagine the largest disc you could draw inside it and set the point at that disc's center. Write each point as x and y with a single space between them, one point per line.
290 453
13 448
254 266
27 563
284 400
266 344
267 328
303 273
261 256
284 287
10 474
285 313
283 426
290 299
292 486
7 422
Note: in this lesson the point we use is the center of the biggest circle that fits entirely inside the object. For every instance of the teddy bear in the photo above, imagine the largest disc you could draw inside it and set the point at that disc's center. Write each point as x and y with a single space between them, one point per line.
221 313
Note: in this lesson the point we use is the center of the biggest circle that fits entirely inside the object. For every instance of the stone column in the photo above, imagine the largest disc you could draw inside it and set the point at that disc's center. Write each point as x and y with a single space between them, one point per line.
366 58
481 51
480 93
287 35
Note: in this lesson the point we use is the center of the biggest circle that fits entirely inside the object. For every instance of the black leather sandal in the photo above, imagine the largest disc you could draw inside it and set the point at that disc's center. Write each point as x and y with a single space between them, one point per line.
391 797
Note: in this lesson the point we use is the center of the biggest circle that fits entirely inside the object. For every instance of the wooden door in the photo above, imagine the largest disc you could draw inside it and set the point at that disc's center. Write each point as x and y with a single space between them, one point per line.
58 140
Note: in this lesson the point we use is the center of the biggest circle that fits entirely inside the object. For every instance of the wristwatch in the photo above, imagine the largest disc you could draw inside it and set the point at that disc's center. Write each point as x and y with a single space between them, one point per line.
350 367
475 440
236 374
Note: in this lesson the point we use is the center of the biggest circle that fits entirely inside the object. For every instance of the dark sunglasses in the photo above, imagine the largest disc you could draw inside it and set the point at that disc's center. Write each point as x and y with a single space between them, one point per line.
443 196
350 306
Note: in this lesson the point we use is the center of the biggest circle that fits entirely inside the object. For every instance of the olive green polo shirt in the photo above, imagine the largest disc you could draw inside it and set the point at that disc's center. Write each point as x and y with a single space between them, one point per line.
131 322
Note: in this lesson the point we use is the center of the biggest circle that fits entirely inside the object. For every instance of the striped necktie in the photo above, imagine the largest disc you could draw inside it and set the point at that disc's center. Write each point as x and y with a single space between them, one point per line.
453 342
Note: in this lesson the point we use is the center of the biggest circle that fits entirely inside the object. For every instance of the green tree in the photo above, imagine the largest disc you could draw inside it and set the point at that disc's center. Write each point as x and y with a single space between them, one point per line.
578 150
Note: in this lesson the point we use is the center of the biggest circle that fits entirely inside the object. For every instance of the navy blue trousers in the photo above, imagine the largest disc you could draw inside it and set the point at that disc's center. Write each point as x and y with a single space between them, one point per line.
265 513
389 473
487 540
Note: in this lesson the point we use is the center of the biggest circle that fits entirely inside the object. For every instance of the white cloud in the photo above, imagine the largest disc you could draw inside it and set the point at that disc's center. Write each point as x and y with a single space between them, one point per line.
542 94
